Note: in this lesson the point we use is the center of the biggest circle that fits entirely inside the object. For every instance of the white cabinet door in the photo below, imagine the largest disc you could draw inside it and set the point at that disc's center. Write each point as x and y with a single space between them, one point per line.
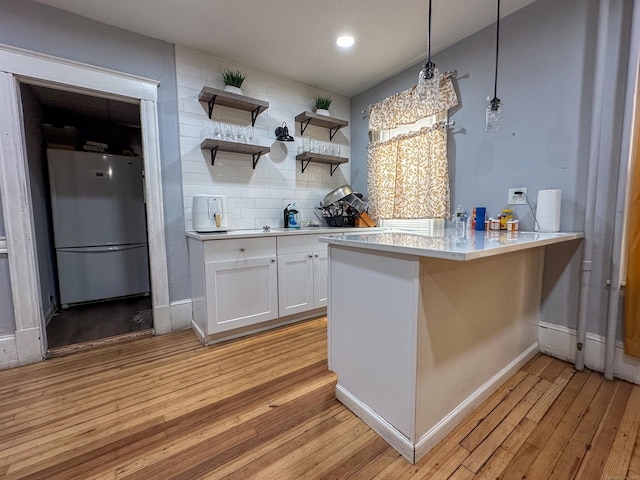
320 278
295 283
241 292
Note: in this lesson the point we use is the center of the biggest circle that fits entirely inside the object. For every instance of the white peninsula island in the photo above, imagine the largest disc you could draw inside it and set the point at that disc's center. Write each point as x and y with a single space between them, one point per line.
422 329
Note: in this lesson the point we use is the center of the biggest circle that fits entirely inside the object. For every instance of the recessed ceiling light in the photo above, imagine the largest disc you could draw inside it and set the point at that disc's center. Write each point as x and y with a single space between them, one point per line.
345 41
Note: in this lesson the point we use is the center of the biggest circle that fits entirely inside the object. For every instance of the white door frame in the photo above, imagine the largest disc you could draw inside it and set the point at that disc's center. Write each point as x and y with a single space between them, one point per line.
22 66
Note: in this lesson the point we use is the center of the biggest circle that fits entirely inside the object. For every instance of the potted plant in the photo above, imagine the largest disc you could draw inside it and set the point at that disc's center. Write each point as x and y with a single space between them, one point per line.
232 80
322 105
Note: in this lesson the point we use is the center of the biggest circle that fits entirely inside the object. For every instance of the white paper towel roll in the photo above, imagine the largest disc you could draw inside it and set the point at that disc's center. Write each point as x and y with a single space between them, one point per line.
548 210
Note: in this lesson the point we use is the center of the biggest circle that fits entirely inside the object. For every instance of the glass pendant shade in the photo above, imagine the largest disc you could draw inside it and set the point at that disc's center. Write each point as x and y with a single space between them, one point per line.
429 78
429 86
494 118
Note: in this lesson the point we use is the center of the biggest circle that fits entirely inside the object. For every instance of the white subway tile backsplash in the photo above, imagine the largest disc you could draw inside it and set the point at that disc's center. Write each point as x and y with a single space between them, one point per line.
192 131
254 197
192 82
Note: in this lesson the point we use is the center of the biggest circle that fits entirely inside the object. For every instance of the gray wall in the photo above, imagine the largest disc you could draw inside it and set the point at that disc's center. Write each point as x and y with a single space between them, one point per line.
7 320
547 55
30 25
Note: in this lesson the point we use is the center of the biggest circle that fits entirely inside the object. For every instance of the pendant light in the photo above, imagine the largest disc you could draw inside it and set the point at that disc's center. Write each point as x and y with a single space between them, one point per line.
429 76
494 119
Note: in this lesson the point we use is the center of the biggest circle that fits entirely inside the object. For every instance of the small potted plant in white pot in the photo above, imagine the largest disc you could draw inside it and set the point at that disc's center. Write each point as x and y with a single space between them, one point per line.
322 105
232 80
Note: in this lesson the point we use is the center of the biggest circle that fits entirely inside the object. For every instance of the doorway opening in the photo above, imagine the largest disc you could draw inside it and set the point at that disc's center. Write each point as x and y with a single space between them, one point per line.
86 175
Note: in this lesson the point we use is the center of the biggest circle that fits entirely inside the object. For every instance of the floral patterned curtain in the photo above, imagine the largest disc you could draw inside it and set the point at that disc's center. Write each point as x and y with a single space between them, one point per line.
408 174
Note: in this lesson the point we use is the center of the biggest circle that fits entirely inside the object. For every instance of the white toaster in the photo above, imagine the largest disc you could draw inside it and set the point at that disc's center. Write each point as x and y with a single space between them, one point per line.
209 213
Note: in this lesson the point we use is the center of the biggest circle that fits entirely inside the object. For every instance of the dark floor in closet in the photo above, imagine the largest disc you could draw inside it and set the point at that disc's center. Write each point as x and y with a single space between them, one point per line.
84 323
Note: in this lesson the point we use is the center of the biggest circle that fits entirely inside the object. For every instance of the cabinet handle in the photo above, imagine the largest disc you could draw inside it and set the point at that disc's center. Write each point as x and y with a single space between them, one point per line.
316 255
242 249
273 260
310 256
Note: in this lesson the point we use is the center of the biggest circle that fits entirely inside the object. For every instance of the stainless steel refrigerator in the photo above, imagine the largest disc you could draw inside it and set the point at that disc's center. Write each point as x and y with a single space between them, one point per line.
99 225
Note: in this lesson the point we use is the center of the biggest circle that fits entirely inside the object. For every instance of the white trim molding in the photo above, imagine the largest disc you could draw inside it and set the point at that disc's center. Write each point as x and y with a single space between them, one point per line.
40 69
473 401
560 342
388 432
16 65
155 217
8 351
18 222
430 439
181 315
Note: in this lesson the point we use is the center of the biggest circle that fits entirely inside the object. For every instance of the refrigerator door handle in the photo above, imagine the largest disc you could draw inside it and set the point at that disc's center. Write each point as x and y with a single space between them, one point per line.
102 248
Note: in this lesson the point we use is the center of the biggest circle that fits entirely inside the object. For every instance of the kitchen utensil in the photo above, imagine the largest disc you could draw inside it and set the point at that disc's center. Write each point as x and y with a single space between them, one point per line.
337 194
356 202
364 220
282 133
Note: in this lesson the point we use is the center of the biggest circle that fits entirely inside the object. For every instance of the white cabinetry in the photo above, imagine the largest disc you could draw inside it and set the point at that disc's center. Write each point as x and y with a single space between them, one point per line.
245 284
302 274
239 284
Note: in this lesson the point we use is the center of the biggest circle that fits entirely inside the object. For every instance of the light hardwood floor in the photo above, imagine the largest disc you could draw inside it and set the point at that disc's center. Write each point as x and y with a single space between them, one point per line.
264 407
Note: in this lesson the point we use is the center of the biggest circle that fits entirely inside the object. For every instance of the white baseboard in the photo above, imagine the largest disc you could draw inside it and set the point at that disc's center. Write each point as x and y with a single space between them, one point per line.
378 424
29 345
181 315
162 319
212 339
560 342
401 443
8 352
199 333
473 401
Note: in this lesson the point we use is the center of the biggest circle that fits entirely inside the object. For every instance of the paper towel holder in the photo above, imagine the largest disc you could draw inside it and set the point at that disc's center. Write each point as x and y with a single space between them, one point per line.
548 209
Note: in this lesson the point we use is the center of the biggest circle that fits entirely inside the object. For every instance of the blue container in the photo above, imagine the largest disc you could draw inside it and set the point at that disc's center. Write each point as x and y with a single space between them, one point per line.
481 215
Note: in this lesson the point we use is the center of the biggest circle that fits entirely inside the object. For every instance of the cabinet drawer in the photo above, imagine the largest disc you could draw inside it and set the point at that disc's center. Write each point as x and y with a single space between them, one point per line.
300 244
240 248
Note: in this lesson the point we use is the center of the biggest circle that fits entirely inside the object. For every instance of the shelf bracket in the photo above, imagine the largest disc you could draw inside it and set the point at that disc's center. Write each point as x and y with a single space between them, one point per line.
256 157
333 131
254 115
214 152
333 168
211 103
303 126
303 166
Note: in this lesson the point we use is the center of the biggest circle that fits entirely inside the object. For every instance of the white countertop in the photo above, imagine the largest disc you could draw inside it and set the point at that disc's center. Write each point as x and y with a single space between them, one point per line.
259 232
446 245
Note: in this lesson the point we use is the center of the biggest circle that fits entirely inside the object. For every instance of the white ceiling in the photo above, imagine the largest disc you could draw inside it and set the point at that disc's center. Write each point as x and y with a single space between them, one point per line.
296 39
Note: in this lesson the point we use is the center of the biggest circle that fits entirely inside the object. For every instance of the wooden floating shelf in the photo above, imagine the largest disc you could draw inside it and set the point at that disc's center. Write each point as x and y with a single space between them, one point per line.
331 160
310 118
213 96
233 147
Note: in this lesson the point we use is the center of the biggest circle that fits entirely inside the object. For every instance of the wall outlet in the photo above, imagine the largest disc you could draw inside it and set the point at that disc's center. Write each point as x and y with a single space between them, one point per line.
519 198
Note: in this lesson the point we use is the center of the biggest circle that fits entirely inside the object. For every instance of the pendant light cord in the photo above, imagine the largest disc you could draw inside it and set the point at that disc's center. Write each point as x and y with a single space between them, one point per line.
495 83
429 36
